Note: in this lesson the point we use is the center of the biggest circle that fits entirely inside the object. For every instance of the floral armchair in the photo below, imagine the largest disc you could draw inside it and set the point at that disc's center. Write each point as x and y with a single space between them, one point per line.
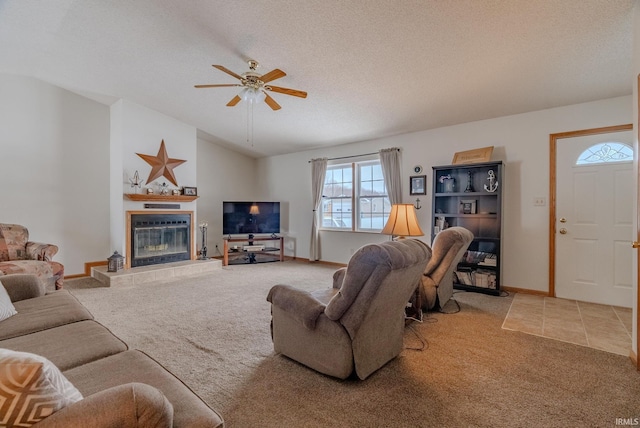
19 255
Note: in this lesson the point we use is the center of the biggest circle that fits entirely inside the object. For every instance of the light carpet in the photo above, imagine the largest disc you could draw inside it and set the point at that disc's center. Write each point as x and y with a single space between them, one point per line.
212 331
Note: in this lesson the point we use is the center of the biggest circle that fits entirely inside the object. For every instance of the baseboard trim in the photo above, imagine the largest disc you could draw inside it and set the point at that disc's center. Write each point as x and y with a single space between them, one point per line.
526 291
322 262
87 269
89 265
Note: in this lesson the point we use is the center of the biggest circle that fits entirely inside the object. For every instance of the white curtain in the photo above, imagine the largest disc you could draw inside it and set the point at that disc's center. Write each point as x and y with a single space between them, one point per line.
390 163
318 171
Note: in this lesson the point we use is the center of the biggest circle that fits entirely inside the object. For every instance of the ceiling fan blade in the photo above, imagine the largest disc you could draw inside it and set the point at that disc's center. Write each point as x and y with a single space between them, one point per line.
272 75
271 102
216 86
287 91
235 100
226 70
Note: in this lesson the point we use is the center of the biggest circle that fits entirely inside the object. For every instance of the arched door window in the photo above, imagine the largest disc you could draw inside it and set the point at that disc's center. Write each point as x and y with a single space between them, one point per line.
607 152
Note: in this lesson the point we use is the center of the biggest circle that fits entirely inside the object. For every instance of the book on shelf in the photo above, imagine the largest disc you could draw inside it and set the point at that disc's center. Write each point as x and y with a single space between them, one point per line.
484 279
489 260
480 258
476 278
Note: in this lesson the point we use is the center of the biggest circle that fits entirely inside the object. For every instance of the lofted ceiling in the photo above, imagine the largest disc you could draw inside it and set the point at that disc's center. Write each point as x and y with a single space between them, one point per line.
372 68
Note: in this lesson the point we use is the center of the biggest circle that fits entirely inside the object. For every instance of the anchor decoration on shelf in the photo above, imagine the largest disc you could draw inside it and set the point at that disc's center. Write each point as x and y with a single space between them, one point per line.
493 182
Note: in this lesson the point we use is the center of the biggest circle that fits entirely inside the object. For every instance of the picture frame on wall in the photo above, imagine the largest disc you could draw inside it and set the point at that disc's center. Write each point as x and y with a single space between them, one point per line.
418 185
190 191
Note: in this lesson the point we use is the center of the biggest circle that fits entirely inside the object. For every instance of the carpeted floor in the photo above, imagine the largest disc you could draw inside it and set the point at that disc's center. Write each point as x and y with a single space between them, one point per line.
213 332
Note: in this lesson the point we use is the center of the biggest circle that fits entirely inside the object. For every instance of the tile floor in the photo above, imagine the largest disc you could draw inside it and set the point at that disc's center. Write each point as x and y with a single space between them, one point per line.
603 327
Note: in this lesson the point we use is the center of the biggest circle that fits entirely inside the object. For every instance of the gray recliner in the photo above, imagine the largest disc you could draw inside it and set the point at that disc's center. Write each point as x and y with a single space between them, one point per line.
357 325
436 286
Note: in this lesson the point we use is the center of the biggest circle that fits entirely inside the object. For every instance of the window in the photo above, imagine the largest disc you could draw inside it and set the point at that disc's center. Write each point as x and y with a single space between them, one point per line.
355 197
606 153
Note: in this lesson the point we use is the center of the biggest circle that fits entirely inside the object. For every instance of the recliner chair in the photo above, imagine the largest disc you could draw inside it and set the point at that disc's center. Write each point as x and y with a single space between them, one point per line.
436 287
356 326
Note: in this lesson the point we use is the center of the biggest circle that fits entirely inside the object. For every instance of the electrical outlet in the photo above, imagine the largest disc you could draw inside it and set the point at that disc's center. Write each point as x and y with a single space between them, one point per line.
539 201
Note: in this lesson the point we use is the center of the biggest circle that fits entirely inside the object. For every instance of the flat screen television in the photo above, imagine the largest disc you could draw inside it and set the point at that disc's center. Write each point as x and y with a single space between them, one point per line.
250 217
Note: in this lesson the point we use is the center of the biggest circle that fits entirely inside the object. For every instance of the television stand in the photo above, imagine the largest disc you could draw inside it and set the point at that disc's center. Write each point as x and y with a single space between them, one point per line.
251 250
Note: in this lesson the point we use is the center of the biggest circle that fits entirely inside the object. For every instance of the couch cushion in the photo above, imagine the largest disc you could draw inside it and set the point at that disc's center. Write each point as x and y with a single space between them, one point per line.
7 309
69 345
43 270
32 389
41 313
13 242
135 366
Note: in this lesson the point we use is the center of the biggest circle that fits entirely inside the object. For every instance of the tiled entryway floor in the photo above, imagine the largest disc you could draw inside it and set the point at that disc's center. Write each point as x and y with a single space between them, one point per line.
603 327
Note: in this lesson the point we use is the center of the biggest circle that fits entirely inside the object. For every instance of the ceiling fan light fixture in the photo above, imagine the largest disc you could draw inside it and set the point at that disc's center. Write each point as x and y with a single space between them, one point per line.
252 95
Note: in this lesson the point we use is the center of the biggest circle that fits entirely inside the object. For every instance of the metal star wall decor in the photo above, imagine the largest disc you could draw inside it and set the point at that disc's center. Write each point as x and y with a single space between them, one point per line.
162 165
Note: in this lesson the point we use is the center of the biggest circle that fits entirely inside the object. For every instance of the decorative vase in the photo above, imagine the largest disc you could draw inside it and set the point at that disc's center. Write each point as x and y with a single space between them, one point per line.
449 185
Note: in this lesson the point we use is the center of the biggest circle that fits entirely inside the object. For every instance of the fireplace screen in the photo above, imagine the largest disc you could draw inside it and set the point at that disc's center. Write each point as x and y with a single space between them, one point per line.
160 238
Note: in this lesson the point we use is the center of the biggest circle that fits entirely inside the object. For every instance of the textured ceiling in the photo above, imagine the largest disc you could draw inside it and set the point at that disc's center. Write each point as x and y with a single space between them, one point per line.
372 68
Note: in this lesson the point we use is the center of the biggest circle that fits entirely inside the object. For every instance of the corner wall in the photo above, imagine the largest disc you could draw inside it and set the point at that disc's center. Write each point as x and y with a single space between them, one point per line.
223 175
54 168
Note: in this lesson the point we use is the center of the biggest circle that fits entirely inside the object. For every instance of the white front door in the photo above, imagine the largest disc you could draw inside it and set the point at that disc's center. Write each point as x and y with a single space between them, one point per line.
594 221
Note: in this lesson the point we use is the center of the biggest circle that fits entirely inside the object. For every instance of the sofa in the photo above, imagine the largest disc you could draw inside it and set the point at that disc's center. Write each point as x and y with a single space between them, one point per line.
119 387
19 255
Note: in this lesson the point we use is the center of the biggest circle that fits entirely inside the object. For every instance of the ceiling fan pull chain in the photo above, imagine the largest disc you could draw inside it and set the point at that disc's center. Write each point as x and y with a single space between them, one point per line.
249 121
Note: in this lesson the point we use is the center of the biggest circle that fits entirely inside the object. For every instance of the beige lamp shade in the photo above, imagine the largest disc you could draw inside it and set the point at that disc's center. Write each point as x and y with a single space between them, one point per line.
254 210
402 221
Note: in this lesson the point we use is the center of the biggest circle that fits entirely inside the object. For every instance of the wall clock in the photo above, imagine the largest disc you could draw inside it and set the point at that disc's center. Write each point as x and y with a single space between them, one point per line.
417 169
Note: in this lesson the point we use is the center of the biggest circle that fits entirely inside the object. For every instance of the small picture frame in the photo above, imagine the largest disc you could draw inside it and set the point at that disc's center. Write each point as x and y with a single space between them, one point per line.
190 191
418 185
468 206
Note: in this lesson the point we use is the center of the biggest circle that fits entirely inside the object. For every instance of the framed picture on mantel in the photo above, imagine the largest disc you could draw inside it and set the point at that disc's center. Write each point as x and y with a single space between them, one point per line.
190 191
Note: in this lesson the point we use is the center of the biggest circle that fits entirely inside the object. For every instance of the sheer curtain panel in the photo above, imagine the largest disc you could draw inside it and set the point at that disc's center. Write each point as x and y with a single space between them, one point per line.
318 171
390 163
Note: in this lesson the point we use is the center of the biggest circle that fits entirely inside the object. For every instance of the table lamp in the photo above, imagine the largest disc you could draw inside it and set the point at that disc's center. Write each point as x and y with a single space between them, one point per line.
402 222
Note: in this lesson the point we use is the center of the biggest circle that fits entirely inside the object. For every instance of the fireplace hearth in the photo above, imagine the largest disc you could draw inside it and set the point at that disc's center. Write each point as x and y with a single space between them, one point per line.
157 238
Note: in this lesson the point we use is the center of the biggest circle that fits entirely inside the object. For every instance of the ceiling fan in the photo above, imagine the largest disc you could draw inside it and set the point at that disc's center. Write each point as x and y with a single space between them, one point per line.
254 86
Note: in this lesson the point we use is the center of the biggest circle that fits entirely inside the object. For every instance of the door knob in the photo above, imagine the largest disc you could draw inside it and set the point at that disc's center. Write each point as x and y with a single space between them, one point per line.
563 231
563 220
635 244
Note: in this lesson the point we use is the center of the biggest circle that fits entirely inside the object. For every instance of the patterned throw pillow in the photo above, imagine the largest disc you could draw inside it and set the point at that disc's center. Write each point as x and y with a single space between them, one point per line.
31 388
6 307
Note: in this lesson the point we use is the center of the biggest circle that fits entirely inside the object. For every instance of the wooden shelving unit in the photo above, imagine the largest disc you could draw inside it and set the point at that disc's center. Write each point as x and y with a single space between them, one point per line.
241 255
462 200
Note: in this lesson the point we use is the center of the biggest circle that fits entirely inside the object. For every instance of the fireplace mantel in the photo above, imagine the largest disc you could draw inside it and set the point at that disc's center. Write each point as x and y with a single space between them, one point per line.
154 197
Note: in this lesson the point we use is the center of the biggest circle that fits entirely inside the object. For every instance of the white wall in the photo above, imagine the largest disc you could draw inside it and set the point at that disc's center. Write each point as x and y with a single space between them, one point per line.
54 168
521 141
137 129
223 175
